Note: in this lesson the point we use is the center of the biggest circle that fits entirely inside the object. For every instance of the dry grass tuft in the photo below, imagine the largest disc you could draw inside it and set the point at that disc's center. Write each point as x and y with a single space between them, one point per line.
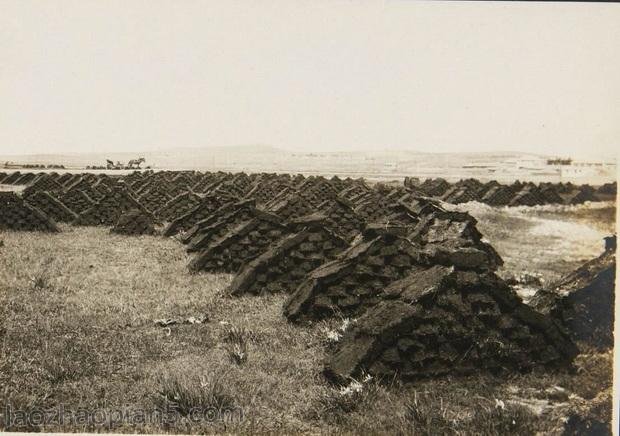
337 403
236 340
186 393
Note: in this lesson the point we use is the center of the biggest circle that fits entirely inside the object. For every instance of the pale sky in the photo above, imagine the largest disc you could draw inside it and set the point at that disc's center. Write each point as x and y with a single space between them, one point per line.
128 75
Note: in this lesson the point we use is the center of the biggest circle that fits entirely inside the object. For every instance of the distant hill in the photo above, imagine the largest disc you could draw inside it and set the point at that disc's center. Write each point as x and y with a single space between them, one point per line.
377 164
177 158
265 158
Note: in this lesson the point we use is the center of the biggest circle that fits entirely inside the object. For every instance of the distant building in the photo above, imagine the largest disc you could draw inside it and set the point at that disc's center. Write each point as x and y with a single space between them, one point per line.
559 161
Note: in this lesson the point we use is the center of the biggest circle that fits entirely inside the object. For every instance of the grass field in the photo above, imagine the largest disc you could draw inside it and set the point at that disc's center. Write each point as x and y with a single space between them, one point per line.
77 312
546 240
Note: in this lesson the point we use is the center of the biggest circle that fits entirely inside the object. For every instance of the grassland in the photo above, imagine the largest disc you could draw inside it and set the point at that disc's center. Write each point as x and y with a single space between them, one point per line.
77 312
547 241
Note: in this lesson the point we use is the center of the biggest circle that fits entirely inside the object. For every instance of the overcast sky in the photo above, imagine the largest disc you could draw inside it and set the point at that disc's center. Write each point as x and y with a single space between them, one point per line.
126 75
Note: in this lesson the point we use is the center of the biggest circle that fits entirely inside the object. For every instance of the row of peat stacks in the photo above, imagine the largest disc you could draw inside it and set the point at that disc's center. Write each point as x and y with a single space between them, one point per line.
518 193
417 278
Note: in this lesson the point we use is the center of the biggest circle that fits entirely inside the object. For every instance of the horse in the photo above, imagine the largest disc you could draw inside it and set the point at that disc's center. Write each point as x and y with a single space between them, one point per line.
135 162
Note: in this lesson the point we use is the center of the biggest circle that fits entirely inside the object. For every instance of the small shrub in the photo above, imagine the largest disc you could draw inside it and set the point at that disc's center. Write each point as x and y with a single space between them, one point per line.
240 334
238 353
40 282
237 344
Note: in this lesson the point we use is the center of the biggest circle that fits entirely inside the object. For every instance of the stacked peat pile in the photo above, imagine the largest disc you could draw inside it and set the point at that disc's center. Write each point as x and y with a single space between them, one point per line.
551 195
240 245
219 224
435 187
352 282
177 206
440 321
474 186
11 178
91 178
341 217
565 188
515 194
134 222
66 178
174 190
226 189
205 181
373 209
216 180
167 179
355 189
104 179
16 214
402 195
585 193
280 197
293 206
132 178
207 206
460 194
400 214
284 265
82 184
362 197
389 206
297 180
76 200
316 191
42 183
486 187
412 182
608 189
583 300
136 184
220 182
529 195
108 210
216 216
337 183
25 179
498 196
265 191
102 188
154 196
451 238
239 185
182 181
423 206
51 206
